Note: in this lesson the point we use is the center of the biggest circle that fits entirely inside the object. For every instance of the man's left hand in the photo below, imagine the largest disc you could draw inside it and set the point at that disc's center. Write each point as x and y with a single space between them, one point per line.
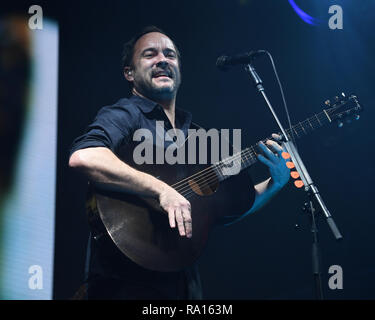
275 162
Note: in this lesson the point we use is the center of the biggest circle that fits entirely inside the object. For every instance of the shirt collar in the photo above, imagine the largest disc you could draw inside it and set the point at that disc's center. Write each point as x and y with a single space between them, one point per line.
144 104
147 106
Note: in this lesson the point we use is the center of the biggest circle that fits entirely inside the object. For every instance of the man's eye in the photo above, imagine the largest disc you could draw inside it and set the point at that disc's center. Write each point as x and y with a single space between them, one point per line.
148 54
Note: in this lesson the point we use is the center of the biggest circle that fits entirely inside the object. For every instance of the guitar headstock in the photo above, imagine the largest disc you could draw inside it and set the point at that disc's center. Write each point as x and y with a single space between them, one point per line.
342 108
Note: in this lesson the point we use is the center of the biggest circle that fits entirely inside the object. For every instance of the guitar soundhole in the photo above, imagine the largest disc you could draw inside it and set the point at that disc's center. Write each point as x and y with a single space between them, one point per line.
205 184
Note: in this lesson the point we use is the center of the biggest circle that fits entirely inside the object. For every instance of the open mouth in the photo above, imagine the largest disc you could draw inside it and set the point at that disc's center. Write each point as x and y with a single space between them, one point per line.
162 74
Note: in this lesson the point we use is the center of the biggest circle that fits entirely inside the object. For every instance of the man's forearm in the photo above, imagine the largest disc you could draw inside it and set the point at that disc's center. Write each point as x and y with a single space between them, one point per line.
101 165
264 191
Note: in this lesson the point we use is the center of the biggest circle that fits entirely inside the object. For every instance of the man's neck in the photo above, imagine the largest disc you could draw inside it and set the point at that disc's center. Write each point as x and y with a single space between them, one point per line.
168 106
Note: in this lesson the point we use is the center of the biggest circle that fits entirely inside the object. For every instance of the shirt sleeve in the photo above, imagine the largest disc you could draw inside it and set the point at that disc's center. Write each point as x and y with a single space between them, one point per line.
112 126
229 219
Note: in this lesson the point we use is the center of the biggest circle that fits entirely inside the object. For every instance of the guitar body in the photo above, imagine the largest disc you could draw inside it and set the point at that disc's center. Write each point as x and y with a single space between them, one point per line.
141 230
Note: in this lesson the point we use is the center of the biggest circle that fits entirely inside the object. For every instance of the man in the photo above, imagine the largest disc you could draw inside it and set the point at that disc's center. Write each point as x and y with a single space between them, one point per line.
152 67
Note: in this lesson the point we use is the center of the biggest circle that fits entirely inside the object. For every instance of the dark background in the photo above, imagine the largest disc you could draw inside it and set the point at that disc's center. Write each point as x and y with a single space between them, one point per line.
263 256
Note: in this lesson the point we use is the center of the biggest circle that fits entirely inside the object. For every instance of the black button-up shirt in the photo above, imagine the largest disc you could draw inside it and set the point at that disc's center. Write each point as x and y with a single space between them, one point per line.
113 128
115 125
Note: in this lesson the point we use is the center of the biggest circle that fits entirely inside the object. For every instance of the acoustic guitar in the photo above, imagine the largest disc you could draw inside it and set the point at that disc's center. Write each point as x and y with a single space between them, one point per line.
140 229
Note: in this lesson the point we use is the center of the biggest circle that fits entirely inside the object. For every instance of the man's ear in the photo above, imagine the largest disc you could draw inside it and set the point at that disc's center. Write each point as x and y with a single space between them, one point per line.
128 74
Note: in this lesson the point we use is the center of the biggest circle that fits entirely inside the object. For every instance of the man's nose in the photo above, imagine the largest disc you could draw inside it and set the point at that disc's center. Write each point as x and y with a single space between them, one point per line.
162 64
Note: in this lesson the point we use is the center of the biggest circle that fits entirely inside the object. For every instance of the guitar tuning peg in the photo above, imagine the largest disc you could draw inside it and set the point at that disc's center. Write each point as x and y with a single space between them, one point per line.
327 103
343 94
340 124
356 117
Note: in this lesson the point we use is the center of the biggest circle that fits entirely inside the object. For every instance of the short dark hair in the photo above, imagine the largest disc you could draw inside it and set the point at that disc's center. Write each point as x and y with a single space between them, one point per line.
128 49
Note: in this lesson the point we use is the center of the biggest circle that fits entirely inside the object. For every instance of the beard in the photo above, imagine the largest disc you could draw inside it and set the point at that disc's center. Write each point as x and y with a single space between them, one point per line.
145 85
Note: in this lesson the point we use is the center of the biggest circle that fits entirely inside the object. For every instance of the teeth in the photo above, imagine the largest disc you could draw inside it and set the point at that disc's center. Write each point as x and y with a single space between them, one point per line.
161 74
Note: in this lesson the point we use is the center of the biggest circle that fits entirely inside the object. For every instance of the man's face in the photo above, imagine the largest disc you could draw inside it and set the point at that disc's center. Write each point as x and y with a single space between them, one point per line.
156 70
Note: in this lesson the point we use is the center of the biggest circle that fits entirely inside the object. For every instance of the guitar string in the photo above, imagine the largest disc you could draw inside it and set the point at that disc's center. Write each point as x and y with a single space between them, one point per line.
189 191
211 171
212 176
241 156
288 131
305 131
299 130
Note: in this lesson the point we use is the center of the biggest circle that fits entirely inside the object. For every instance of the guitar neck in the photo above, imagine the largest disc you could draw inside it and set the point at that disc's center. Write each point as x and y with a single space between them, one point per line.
248 156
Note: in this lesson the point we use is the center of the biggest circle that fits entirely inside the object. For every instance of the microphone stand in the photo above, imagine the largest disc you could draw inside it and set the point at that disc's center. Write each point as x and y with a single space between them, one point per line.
309 207
310 187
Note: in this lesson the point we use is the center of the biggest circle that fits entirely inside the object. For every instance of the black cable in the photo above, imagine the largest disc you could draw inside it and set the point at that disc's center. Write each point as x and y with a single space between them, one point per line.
283 97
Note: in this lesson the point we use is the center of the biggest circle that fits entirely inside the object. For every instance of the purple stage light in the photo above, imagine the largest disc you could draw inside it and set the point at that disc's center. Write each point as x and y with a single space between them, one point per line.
303 15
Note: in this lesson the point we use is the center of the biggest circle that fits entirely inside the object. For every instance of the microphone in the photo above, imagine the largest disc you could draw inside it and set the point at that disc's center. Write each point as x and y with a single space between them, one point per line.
224 62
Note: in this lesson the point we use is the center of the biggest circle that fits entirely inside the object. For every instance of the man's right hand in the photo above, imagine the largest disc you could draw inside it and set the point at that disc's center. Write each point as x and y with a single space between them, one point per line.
102 165
178 209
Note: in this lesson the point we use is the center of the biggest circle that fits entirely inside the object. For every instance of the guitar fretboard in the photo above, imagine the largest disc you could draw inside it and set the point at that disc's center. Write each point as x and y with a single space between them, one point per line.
247 157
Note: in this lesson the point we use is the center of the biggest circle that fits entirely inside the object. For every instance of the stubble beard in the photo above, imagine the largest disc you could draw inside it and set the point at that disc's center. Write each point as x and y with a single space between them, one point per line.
150 90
